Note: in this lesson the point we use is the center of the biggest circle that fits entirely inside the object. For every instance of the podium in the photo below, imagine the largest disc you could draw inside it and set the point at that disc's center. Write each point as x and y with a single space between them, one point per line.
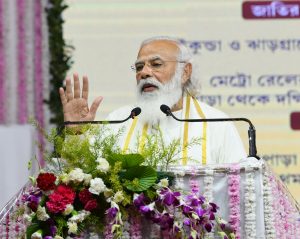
250 196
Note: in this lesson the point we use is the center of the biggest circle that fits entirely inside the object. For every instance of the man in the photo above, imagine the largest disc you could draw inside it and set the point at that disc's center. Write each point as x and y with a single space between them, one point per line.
164 75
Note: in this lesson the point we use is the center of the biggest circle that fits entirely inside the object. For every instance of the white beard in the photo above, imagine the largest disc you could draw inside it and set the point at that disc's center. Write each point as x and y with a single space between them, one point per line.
150 102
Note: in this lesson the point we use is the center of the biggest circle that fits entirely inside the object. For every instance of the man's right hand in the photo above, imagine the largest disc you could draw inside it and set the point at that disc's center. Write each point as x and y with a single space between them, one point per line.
75 106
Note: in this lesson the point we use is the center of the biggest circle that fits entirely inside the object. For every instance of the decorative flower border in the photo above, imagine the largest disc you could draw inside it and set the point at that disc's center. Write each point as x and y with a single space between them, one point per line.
22 94
286 218
2 65
234 199
250 204
208 185
268 207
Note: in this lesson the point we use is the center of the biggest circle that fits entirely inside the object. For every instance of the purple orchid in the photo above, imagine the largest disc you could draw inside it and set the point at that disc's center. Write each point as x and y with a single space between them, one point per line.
186 221
208 227
139 200
170 198
112 212
200 211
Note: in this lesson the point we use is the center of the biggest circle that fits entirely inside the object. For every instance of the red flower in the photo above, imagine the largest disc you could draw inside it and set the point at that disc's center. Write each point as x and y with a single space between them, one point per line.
85 196
91 205
46 181
60 198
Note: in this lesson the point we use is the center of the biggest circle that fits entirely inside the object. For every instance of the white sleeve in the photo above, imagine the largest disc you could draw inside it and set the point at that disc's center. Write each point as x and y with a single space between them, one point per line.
232 148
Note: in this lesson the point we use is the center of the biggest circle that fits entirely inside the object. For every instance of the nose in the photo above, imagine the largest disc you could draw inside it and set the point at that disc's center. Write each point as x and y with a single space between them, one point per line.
145 73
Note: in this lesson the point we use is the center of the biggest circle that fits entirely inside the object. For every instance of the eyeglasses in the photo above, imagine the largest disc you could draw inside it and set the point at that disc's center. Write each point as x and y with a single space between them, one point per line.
155 64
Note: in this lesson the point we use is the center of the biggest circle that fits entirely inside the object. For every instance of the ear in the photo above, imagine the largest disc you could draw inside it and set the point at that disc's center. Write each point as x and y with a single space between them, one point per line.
187 72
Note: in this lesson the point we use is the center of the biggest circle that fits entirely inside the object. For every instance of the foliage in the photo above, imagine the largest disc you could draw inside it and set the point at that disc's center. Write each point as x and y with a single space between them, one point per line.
158 154
60 57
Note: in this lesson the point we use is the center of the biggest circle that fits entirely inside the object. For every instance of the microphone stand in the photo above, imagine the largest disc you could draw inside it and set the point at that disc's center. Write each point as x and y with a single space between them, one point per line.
134 112
251 131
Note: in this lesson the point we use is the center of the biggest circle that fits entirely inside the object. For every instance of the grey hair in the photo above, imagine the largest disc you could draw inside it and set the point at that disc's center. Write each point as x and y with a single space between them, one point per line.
193 85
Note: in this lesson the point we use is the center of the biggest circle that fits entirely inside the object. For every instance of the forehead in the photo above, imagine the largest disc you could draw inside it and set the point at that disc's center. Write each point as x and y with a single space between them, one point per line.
163 48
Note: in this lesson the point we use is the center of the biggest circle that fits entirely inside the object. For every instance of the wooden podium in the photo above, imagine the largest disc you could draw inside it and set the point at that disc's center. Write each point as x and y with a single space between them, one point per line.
255 202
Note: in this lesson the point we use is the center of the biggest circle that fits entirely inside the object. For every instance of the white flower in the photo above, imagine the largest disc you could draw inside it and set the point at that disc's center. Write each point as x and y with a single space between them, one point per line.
163 183
72 227
76 175
41 214
37 235
80 216
68 210
87 179
97 186
118 197
28 217
103 165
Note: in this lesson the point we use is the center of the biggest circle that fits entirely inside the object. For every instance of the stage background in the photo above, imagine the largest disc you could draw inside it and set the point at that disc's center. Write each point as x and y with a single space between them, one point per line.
249 68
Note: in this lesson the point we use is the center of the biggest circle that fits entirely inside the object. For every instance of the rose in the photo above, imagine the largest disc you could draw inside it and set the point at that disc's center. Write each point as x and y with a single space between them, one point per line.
60 198
46 181
91 205
85 196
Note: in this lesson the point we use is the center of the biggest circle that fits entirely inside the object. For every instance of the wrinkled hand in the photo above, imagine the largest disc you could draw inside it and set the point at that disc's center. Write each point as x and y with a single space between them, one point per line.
75 106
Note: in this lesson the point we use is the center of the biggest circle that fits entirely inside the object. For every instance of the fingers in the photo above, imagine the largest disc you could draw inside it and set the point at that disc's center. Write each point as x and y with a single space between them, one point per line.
69 89
95 106
76 86
85 88
63 98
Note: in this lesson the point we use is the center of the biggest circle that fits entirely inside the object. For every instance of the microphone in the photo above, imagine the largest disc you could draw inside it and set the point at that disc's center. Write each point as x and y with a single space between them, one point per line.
134 112
251 131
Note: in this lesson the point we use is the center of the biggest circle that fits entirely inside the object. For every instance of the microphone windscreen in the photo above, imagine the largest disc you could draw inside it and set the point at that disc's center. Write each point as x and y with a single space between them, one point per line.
165 109
136 111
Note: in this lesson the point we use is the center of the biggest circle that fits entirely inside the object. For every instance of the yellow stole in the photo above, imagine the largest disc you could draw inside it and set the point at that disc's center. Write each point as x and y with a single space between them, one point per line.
185 132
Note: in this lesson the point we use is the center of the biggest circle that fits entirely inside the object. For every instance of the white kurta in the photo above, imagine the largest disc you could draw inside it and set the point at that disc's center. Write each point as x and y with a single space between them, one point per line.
223 143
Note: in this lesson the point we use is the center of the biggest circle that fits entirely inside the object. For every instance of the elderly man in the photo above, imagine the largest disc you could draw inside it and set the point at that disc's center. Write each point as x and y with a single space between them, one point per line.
164 75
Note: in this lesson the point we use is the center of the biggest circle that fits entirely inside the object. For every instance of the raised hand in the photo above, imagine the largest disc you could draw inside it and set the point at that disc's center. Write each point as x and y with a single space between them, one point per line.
75 106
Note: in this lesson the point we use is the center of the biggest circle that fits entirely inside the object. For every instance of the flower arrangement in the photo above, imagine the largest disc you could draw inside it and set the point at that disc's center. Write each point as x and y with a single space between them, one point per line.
95 187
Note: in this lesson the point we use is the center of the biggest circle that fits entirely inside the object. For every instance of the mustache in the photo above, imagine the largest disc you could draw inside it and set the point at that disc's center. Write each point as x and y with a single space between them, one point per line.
149 81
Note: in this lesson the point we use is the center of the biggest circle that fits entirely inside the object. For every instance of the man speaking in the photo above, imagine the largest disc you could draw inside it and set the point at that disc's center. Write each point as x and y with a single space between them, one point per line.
164 75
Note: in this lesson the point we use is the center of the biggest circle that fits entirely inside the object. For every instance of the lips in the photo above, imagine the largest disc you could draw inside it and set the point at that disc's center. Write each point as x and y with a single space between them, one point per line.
149 87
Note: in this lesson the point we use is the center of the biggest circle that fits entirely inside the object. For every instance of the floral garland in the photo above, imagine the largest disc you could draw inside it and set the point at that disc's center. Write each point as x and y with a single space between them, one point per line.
29 36
268 206
234 199
250 204
155 232
10 53
2 65
39 98
61 57
208 184
45 63
135 227
22 94
285 215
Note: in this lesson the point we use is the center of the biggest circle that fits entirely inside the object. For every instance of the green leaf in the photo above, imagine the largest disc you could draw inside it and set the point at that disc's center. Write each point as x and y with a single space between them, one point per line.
32 229
141 177
128 160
